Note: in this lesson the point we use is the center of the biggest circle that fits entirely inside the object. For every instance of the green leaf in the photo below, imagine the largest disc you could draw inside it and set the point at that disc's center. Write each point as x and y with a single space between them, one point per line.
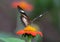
11 39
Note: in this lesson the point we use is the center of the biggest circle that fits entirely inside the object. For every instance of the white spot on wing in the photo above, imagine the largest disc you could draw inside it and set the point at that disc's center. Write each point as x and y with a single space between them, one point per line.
25 21
22 11
40 15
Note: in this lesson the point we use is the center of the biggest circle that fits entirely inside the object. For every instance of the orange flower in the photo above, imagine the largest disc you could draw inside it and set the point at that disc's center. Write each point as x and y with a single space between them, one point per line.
26 6
14 4
29 30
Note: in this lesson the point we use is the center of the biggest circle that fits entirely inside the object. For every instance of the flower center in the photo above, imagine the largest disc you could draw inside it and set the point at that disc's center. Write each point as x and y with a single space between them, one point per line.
30 28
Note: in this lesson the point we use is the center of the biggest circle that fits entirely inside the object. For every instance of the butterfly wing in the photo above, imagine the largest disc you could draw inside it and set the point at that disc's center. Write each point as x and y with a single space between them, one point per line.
24 18
40 16
37 21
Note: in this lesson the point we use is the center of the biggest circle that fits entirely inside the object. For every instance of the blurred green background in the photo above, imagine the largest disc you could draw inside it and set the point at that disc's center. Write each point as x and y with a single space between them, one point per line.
49 24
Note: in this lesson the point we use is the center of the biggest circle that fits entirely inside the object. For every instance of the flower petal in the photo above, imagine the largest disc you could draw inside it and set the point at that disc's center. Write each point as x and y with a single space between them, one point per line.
33 33
15 4
40 33
26 6
28 32
20 32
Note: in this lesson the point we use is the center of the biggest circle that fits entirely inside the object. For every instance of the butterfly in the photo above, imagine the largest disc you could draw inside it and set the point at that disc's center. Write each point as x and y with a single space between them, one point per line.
26 19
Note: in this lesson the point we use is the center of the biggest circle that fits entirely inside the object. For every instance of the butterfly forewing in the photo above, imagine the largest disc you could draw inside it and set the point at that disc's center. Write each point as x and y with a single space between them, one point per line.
40 17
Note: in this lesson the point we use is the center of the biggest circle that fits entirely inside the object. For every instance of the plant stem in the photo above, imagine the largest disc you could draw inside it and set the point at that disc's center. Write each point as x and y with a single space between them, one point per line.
29 40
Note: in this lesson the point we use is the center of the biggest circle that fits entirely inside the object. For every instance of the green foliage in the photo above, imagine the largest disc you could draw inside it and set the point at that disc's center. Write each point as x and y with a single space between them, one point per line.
38 38
11 39
5 37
